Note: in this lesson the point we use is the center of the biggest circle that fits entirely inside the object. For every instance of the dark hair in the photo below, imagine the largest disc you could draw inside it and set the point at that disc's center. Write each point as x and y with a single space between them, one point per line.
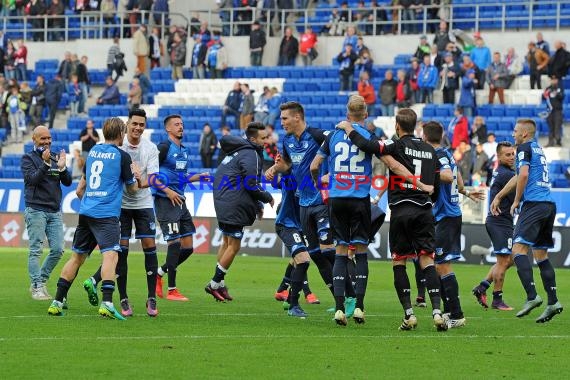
170 117
406 119
253 128
294 107
459 109
503 144
137 112
433 132
112 128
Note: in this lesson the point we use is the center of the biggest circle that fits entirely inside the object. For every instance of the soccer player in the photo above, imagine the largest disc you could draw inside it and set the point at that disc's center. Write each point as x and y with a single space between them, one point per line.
170 204
100 189
238 199
350 172
137 208
500 230
411 222
533 229
447 213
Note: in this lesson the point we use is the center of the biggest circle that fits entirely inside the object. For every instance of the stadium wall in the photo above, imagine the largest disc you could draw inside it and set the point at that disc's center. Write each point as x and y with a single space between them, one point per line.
384 48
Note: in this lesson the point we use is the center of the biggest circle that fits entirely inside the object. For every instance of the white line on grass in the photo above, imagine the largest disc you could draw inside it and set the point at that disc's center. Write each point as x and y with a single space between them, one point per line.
239 337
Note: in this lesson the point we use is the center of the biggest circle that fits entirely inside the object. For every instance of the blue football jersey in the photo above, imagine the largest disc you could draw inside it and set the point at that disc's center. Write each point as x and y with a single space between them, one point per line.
501 176
301 153
447 204
350 168
106 170
174 164
288 215
538 186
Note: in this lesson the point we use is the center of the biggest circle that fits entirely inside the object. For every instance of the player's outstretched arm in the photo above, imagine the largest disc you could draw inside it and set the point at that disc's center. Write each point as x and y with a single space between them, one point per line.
282 165
522 180
400 170
475 195
81 186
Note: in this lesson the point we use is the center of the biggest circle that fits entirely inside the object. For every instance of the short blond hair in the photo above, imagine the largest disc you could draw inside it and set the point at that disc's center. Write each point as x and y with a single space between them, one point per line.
112 128
356 107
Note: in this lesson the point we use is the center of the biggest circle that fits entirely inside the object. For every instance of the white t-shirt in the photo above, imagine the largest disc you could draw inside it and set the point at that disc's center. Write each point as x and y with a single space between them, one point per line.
145 155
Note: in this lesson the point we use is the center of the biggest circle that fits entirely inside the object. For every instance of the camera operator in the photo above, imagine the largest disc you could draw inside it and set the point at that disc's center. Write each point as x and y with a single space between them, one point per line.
43 172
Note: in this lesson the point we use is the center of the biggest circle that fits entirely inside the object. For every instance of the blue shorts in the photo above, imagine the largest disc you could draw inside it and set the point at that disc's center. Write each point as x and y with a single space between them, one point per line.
175 221
93 232
316 226
145 226
350 220
448 240
535 224
293 239
500 232
235 232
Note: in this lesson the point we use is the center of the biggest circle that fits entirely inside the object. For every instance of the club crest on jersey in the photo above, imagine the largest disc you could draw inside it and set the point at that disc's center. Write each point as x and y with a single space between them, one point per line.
521 156
388 142
305 144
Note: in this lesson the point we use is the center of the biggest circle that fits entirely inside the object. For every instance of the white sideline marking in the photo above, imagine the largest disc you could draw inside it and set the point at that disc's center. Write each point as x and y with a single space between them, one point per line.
405 335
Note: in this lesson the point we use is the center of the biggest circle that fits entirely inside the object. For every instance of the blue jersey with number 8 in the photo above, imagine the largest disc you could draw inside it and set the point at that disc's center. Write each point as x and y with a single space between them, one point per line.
106 169
350 168
538 186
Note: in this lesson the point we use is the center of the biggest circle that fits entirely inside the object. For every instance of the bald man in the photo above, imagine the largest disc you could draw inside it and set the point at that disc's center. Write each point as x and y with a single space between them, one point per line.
44 173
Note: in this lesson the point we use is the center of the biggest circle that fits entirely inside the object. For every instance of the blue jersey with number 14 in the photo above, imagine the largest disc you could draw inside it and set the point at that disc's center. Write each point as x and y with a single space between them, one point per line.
350 168
538 186
106 169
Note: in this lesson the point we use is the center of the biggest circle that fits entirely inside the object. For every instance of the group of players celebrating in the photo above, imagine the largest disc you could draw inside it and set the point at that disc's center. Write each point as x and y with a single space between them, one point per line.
332 229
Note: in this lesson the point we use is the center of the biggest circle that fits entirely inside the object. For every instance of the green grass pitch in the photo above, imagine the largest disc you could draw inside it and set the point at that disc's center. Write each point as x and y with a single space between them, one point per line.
252 337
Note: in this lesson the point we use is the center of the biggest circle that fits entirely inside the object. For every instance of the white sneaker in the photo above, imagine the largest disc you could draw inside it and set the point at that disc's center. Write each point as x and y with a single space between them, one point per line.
38 294
45 292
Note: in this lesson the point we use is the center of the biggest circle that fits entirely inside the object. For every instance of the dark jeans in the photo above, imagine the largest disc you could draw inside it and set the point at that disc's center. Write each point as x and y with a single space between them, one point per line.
286 61
554 127
535 79
256 57
448 95
206 160
36 112
52 112
346 82
230 111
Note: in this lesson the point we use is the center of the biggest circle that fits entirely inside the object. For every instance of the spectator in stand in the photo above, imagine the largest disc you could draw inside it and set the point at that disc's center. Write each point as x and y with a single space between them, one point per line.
21 61
408 16
395 15
261 110
232 105
542 44
346 59
537 62
108 12
478 133
170 41
110 94
559 63
334 27
134 97
403 91
208 143
367 91
38 101
387 94
514 66
66 67
144 84
423 49
156 48
194 23
442 37
360 18
288 49
351 38
225 17
435 58
364 62
26 94
481 57
464 160
308 46
497 76
247 106
377 19
160 12
177 56
77 164
257 42
140 47
455 52
37 10
15 108
205 34
360 47
10 61
554 96
114 50
198 61
413 75
75 95
449 74
89 137
54 91
124 12
490 146
467 94
56 22
217 57
427 80
480 167
274 104
84 82
344 15
458 129
226 131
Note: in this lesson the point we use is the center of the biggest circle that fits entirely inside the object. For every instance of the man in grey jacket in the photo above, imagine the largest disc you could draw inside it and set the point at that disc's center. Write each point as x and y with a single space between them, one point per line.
497 77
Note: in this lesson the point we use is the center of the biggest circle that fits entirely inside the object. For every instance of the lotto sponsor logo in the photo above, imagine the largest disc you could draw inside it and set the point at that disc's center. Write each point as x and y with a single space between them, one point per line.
11 230
252 238
202 236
